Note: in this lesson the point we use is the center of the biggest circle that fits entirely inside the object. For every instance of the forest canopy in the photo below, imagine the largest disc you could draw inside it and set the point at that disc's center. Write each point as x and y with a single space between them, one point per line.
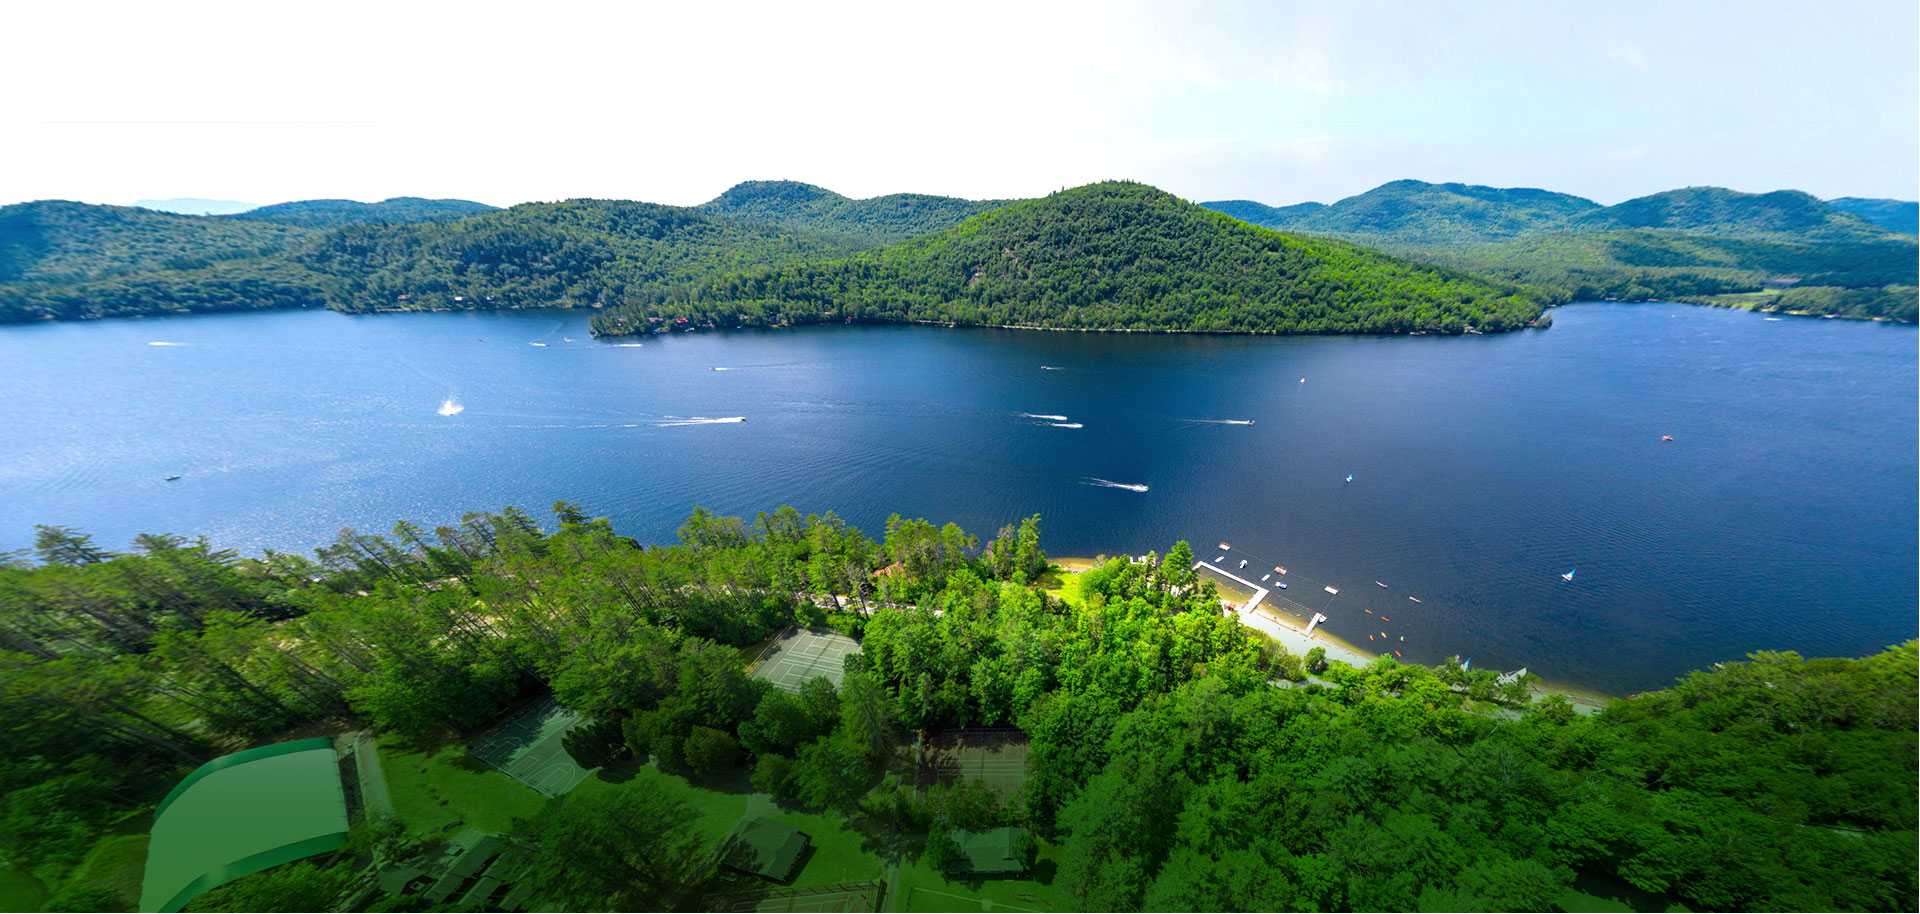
1179 760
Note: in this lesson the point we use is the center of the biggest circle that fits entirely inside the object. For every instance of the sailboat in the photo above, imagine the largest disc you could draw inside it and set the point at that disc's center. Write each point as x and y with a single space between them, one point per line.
1349 477
1569 575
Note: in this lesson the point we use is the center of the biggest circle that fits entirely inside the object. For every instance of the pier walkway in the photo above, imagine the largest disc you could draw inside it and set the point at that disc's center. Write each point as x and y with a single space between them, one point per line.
1252 615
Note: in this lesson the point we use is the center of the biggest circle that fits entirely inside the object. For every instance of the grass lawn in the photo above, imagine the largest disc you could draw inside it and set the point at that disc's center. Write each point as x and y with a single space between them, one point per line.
1063 580
838 854
20 891
433 789
922 889
719 809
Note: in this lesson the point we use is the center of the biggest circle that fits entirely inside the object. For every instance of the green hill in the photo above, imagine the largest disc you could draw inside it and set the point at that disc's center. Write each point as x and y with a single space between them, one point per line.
328 213
1418 212
1730 213
1111 256
1893 215
1706 244
59 241
876 220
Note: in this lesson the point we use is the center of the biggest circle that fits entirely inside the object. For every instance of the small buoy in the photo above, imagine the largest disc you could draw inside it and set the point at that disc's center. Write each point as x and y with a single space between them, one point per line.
1303 380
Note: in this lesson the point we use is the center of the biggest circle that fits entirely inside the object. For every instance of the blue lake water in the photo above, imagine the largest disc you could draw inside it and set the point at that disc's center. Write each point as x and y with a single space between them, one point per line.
1782 516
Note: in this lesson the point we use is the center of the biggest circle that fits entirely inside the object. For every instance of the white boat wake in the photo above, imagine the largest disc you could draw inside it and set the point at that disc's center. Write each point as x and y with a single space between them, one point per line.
699 420
1226 421
450 407
1039 416
1110 484
1065 424
625 345
164 343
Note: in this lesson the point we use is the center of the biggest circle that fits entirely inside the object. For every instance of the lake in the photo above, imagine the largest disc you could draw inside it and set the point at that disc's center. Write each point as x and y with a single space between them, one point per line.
1781 517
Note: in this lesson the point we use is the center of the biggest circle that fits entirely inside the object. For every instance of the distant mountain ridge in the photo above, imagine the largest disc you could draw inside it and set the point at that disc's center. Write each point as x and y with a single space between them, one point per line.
877 220
1893 215
195 206
1420 212
324 213
1783 250
1706 244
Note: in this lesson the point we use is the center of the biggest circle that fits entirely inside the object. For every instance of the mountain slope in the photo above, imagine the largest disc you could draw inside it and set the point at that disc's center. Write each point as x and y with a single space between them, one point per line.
328 213
574 252
1893 215
1418 212
1106 256
1693 243
876 220
1730 213
60 241
76 261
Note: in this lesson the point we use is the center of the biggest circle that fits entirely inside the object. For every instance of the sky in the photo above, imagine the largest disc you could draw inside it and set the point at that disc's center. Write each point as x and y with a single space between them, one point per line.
1280 101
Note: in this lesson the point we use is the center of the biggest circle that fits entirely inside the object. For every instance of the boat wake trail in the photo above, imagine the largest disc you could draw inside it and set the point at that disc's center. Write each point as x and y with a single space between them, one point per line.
1065 424
1039 416
1110 484
450 407
698 420
624 345
1224 421
165 343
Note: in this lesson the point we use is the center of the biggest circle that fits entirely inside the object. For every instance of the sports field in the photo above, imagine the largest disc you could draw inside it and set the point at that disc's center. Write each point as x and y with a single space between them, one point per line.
799 654
527 747
996 755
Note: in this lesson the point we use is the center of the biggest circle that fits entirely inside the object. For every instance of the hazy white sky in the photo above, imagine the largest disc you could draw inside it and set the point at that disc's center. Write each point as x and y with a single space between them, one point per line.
673 102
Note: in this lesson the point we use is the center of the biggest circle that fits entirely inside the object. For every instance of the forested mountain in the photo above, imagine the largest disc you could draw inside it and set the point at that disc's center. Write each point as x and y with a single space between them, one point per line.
1112 256
1894 215
1788 214
571 253
1418 212
326 213
60 242
1177 759
1706 244
76 260
876 220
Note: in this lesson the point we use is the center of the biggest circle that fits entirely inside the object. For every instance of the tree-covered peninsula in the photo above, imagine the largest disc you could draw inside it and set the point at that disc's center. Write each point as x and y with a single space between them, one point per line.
1110 256
1173 759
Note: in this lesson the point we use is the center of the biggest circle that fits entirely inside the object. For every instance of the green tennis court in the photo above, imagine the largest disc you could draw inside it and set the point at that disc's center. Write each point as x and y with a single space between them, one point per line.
529 748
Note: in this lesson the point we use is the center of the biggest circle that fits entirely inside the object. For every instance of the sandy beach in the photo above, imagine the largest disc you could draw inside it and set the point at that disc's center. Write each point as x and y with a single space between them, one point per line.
1291 634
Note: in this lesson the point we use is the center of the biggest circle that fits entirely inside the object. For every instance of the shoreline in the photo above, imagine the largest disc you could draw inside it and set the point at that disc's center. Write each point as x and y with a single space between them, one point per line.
1291 636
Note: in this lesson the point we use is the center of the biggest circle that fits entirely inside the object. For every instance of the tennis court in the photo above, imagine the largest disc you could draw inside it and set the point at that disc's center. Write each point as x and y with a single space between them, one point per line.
527 747
800 654
996 755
